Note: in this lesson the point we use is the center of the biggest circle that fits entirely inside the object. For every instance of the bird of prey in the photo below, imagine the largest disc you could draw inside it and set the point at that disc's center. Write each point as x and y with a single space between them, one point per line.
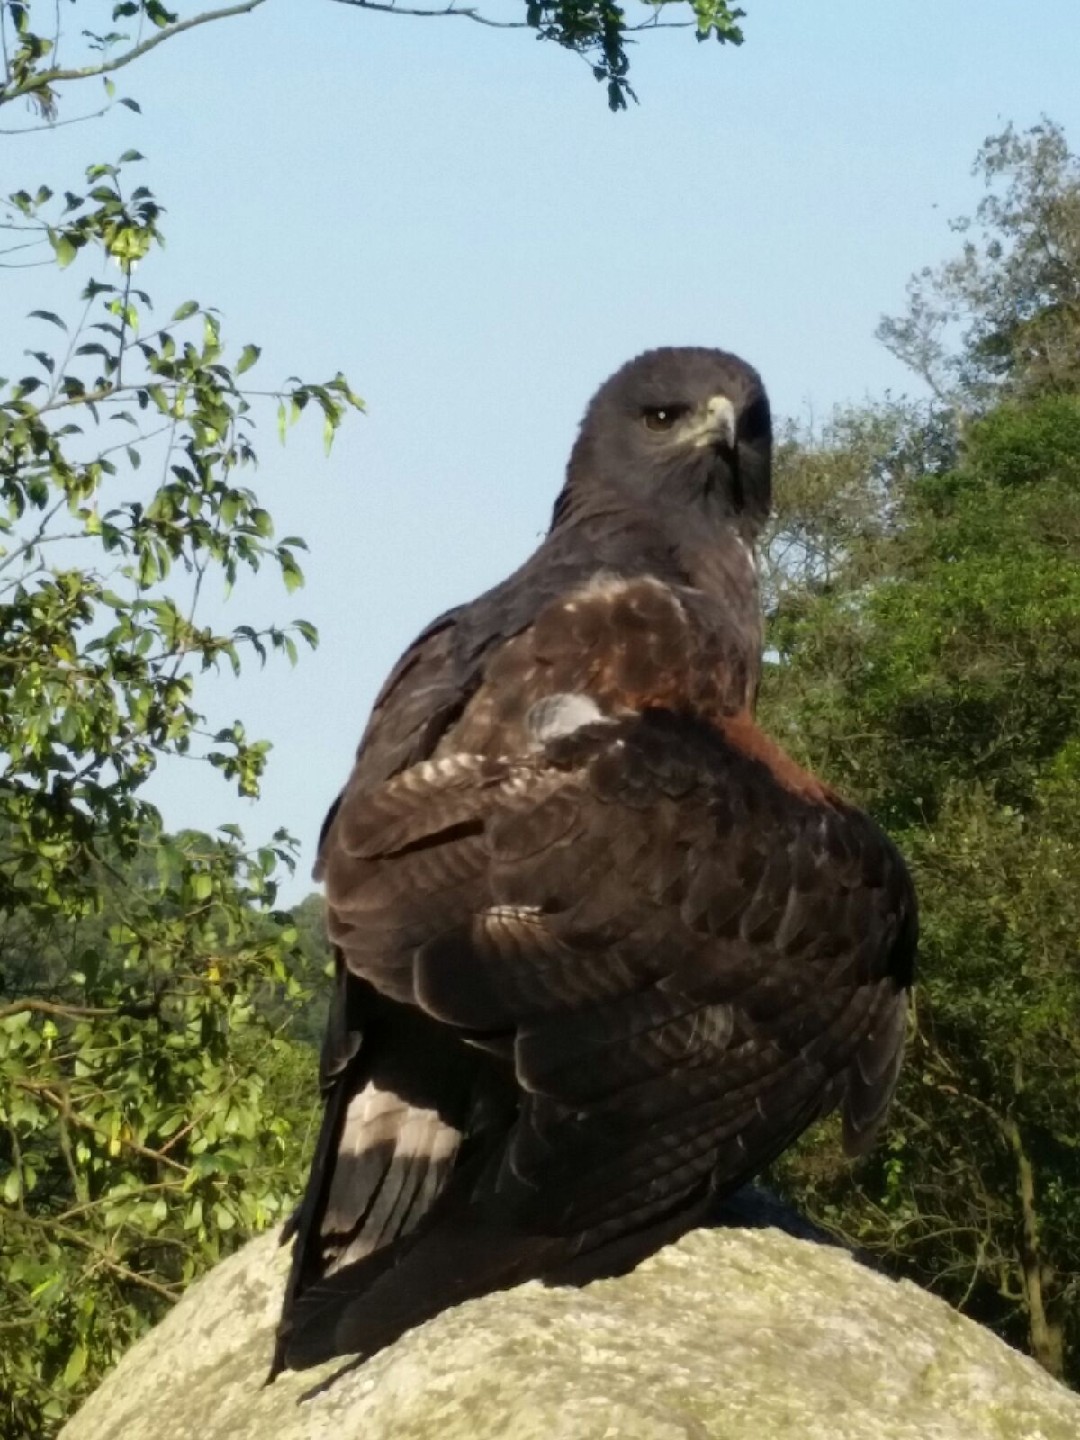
602 949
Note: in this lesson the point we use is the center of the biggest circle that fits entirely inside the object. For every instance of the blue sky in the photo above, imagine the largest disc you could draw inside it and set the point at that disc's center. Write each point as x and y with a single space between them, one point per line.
451 215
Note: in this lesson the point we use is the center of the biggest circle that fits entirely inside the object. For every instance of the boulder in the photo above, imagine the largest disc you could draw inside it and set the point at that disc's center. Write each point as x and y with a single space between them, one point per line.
730 1334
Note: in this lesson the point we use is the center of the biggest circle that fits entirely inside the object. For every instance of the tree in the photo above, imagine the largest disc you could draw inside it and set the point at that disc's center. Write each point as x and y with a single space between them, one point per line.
306 1022
139 1138
934 673
937 679
1003 317
838 485
153 1110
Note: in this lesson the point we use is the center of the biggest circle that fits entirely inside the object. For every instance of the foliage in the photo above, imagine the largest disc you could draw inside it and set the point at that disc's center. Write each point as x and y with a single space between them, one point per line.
1003 317
944 693
154 1102
598 31
305 1022
100 659
927 659
147 1123
838 482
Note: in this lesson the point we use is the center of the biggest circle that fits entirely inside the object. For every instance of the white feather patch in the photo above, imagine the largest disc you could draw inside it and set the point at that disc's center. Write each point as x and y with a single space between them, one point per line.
558 715
382 1126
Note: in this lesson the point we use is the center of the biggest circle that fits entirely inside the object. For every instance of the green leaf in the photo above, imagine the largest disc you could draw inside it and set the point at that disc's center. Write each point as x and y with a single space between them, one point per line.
248 356
63 249
49 315
291 573
75 1367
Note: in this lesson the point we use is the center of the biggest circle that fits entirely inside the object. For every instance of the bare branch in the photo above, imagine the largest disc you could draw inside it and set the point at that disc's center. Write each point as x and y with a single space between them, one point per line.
464 13
55 124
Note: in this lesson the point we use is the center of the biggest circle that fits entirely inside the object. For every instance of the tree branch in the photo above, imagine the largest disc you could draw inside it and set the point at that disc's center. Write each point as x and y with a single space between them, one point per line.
62 1105
117 1268
67 1012
43 79
55 124
465 13
469 12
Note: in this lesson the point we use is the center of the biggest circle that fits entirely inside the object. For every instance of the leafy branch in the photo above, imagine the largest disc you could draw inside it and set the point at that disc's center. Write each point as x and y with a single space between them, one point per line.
596 30
26 77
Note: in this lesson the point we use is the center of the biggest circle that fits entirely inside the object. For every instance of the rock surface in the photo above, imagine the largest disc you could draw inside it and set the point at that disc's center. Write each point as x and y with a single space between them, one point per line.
732 1334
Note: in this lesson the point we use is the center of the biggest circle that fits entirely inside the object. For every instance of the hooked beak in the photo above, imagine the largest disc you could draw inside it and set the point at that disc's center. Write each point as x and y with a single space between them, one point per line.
714 424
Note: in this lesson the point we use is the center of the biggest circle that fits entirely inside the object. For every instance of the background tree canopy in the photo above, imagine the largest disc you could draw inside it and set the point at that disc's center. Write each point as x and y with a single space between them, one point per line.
927 658
159 1011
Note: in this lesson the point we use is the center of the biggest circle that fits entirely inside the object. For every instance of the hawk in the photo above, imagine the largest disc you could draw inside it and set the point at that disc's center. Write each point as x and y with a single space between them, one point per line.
602 949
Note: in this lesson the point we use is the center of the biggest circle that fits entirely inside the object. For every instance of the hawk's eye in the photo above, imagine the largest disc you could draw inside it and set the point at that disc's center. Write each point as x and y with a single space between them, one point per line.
662 417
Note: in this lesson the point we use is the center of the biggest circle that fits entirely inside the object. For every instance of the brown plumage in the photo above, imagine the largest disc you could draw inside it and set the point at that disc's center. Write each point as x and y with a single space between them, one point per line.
603 950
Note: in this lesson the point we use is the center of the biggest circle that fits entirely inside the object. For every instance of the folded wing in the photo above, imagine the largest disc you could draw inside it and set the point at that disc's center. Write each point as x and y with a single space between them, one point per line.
592 987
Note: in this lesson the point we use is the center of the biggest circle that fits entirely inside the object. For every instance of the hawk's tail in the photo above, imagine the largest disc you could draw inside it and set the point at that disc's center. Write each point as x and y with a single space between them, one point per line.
369 1304
462 1250
409 1111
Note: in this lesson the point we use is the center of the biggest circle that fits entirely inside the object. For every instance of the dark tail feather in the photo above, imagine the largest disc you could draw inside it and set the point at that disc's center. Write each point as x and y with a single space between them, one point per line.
458 1255
304 1218
366 1306
873 1076
410 1111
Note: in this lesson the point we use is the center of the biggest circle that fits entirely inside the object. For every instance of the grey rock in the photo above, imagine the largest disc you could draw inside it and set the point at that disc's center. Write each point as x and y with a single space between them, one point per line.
731 1334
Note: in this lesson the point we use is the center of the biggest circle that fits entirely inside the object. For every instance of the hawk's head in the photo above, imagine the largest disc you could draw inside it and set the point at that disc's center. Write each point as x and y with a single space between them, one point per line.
683 430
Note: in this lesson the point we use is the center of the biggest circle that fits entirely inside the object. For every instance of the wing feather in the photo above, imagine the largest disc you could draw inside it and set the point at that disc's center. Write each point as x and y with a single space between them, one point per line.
744 968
